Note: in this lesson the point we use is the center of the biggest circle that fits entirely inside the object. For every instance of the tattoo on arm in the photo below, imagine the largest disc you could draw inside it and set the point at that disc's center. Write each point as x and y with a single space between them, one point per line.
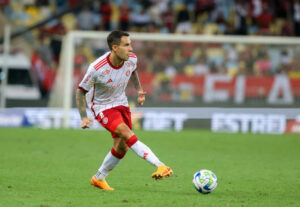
136 81
81 103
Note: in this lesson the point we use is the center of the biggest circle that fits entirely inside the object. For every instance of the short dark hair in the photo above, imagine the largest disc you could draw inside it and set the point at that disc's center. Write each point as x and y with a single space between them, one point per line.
114 38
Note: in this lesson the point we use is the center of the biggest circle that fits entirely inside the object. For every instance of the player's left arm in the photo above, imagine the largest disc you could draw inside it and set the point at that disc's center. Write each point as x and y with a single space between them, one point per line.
137 84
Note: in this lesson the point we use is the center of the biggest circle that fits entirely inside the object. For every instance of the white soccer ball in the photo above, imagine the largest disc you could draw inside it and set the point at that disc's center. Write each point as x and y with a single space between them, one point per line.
205 181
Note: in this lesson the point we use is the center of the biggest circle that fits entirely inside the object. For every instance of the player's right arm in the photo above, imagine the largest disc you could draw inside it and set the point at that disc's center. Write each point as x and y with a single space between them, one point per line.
81 105
84 87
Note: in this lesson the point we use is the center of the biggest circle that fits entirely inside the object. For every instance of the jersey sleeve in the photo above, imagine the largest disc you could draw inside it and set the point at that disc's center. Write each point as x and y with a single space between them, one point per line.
135 66
88 80
133 58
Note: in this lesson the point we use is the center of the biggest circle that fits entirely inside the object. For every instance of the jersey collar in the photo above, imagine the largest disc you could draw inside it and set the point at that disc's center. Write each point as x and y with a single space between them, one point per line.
111 65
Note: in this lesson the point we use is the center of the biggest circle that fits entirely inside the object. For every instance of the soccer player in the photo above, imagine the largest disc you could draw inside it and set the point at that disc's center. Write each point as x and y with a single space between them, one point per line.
103 89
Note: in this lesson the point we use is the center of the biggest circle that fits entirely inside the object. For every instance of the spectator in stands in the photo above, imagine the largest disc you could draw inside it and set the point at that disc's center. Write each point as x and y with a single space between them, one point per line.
241 12
164 5
201 67
284 62
45 52
170 71
220 18
296 17
265 19
55 32
168 19
231 60
246 58
162 87
141 20
42 3
145 4
203 6
256 9
85 19
106 11
183 21
4 3
263 65
124 16
287 28
61 5
281 8
155 14
213 67
159 63
73 3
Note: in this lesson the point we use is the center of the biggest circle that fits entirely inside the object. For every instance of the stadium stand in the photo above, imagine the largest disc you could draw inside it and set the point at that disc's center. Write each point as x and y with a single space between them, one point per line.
44 22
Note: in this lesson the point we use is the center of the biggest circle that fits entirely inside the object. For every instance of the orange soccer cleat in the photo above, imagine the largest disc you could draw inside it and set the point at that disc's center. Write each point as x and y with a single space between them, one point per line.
162 172
102 184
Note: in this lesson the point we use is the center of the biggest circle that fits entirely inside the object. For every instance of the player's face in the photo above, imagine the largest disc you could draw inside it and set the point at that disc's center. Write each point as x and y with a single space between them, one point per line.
124 49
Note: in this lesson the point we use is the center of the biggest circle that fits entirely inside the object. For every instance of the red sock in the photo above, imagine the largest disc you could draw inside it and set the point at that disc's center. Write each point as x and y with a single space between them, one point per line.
116 154
131 141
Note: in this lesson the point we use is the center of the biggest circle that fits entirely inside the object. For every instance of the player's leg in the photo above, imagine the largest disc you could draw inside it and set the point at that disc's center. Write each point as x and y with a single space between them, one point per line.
111 160
114 156
142 150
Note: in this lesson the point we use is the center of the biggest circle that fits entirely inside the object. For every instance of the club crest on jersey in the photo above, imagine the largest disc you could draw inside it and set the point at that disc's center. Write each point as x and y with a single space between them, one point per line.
128 73
109 81
105 72
105 120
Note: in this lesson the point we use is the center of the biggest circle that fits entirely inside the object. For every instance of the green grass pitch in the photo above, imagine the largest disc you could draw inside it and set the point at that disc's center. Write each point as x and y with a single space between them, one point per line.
48 168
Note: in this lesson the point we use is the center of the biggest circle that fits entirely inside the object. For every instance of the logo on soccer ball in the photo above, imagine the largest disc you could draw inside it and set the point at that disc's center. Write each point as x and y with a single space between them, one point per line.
128 73
205 181
105 120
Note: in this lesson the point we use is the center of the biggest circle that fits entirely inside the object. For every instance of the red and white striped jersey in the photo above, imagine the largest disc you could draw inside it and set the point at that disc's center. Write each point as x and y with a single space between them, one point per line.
105 84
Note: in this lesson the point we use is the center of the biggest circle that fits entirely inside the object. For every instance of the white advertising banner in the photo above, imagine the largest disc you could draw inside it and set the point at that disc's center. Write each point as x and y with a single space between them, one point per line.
233 120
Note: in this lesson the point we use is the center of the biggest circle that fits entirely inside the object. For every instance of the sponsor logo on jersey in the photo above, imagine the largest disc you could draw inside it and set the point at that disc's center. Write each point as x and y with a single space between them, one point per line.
105 72
116 86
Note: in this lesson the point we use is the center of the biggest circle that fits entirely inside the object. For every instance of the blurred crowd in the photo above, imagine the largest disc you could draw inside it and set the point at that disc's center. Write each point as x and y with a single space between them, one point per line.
262 17
229 17
166 60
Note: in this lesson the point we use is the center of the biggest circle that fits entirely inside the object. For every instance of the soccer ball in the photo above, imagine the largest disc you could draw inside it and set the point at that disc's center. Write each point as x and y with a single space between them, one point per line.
205 181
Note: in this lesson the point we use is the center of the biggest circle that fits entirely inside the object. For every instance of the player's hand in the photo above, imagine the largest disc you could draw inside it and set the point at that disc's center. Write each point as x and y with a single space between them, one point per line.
141 97
85 122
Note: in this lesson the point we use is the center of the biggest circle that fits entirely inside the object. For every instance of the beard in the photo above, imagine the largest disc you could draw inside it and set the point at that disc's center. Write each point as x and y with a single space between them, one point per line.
123 58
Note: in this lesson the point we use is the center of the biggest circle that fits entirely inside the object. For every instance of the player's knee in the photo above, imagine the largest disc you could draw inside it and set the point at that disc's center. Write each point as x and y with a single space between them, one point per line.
123 131
120 145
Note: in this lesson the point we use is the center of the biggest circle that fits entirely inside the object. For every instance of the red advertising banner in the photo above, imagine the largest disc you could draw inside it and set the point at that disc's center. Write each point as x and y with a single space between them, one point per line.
277 89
